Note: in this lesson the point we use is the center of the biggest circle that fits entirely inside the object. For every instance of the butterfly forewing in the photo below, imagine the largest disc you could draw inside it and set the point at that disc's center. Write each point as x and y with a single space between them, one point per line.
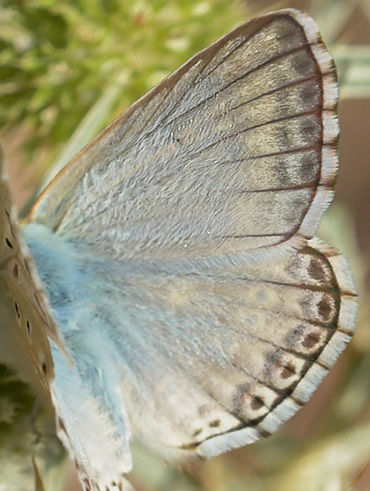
237 147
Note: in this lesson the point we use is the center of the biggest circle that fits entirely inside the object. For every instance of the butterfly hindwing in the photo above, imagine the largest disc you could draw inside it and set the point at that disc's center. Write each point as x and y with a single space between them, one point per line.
216 358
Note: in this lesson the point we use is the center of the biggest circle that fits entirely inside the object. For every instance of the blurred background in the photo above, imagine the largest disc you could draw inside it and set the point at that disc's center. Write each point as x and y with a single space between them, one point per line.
67 68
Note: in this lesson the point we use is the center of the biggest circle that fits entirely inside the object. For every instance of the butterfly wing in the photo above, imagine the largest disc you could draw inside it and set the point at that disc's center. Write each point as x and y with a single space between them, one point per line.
216 358
28 441
233 152
22 289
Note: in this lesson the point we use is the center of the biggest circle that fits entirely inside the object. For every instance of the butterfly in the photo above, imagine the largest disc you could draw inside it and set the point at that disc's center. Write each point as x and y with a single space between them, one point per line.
168 283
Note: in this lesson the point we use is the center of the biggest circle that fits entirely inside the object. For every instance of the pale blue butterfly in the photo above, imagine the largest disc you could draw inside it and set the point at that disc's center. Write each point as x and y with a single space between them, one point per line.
187 303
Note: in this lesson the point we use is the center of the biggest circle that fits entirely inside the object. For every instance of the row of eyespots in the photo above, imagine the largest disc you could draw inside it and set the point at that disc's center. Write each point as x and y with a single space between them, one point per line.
16 306
87 485
15 271
29 330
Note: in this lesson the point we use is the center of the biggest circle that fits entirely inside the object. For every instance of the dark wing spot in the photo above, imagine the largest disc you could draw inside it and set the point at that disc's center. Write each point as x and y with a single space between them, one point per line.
325 308
309 94
8 243
16 271
311 339
315 269
257 403
215 423
288 370
275 361
301 63
282 174
16 306
309 167
310 129
44 369
197 432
